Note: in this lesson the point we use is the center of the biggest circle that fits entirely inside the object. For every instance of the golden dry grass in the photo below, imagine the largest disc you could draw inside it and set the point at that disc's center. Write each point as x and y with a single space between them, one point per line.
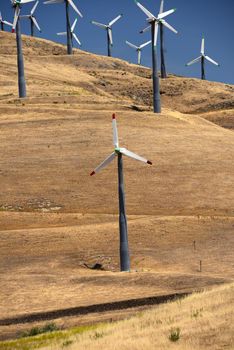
54 217
205 321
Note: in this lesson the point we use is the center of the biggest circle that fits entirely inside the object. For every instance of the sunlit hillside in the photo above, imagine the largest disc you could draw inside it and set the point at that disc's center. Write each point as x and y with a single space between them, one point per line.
57 222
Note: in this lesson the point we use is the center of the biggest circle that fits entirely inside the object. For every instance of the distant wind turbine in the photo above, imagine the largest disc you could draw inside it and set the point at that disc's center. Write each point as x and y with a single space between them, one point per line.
67 3
138 49
154 24
32 19
20 60
202 58
73 35
119 152
108 28
3 22
162 23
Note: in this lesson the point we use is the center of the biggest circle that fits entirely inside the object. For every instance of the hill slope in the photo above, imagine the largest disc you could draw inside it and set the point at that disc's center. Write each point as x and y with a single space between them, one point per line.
55 218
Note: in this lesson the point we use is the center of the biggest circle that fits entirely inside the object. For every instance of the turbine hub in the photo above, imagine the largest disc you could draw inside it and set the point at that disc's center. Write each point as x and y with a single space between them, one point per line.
117 150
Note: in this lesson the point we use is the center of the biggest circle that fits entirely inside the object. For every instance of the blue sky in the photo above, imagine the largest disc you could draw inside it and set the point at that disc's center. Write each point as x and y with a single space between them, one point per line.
192 18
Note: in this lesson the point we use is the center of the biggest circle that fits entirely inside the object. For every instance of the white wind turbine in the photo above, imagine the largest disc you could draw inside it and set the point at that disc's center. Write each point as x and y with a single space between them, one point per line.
3 22
32 19
16 4
108 28
69 34
73 35
138 49
154 22
123 230
162 23
202 58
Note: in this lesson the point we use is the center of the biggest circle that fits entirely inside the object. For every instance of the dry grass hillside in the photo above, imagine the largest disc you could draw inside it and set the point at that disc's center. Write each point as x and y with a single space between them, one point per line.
55 220
202 321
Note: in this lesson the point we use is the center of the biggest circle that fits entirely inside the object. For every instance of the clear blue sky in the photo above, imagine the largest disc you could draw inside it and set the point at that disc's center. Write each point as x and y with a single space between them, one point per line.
214 18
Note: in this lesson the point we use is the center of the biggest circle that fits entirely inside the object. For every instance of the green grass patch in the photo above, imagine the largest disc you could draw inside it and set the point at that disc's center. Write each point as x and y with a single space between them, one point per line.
31 341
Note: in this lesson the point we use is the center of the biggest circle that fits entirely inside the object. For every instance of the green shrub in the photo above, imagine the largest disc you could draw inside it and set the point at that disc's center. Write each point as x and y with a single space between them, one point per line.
174 334
47 328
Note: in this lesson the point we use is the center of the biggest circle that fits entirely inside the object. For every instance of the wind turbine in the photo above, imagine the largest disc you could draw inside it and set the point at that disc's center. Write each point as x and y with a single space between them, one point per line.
138 49
202 58
67 3
20 60
154 24
73 35
2 23
108 28
123 230
32 19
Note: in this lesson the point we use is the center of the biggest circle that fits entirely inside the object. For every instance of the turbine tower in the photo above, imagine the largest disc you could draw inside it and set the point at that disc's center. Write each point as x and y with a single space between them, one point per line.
202 58
20 60
154 24
123 230
3 22
32 19
73 35
138 49
108 28
67 3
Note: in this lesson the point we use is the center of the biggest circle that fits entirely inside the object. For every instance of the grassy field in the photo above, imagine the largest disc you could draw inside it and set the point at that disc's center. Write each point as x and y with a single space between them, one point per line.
55 220
200 321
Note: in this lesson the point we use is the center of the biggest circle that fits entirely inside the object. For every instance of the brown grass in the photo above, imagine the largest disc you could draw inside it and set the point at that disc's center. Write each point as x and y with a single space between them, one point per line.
205 321
54 217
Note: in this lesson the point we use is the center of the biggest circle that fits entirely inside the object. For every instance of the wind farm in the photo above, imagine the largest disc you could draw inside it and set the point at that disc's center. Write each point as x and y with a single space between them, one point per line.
68 279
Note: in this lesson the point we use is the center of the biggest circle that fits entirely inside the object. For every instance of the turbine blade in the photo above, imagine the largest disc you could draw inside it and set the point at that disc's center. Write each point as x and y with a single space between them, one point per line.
26 1
76 38
145 44
134 156
74 24
48 2
193 61
115 131
0 16
167 13
145 30
104 26
212 61
110 35
34 8
148 14
63 33
131 45
17 13
155 33
36 24
169 26
7 23
203 46
107 161
115 20
161 7
75 8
